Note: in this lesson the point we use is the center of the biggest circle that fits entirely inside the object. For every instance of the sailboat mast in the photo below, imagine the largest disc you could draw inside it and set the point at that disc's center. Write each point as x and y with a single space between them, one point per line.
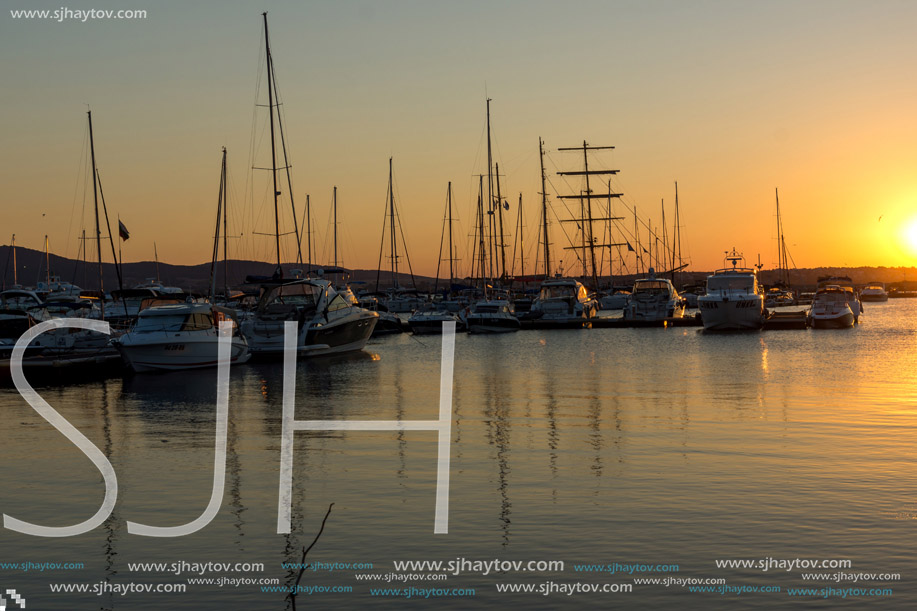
15 271
521 244
156 258
47 264
225 229
391 213
676 238
482 255
83 260
309 231
95 198
544 213
490 191
270 103
783 263
451 249
665 242
334 203
637 256
216 231
500 218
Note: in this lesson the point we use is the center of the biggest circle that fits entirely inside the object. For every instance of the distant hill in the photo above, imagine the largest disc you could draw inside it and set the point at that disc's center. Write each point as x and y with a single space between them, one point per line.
31 269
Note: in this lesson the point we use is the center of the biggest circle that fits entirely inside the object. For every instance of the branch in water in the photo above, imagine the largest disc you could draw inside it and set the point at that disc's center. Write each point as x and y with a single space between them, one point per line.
302 563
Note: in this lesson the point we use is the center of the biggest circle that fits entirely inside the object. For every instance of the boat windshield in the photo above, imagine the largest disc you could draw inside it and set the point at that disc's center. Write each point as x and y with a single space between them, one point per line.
199 321
18 301
292 294
556 292
826 298
731 283
651 287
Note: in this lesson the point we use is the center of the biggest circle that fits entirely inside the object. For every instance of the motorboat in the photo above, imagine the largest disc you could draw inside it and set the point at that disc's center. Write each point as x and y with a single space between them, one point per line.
616 299
734 299
777 297
328 323
654 299
831 308
180 336
845 283
492 316
388 322
429 321
690 294
874 291
563 301
403 301
22 309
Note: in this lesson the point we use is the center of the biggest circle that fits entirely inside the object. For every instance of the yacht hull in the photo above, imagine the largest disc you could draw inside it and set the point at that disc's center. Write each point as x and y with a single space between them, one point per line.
733 314
481 325
177 353
832 321
346 335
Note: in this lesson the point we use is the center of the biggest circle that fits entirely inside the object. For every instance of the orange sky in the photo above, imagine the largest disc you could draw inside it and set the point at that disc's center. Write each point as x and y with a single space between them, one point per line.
730 99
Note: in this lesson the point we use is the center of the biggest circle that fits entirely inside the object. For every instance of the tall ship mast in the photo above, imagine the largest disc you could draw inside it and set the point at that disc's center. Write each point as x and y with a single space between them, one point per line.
545 239
588 242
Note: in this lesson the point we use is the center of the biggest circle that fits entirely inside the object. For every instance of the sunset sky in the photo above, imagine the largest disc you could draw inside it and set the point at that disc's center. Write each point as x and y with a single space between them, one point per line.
731 99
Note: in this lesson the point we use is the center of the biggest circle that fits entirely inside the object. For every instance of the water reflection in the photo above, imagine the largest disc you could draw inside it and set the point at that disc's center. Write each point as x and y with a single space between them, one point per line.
653 444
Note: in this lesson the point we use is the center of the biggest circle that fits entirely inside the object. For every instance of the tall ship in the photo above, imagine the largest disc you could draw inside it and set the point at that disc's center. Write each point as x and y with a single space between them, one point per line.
734 299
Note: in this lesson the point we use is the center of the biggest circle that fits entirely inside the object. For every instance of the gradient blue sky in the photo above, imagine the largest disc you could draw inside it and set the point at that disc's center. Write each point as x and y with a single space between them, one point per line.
731 99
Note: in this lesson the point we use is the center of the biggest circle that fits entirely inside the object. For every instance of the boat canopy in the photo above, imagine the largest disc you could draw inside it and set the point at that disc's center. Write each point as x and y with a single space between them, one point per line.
562 290
653 286
295 293
731 282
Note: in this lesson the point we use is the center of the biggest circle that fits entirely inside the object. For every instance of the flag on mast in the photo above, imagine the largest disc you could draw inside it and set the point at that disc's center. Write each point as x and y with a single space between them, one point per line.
122 231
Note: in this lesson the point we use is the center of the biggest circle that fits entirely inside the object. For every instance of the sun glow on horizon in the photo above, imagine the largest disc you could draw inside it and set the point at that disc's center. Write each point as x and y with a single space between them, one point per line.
909 236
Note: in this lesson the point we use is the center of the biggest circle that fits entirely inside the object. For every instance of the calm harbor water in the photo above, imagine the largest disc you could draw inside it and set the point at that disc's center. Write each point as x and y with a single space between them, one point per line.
630 446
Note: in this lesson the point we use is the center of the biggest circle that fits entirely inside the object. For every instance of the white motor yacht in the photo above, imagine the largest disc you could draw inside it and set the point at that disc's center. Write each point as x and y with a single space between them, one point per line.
734 299
615 300
563 301
492 316
180 336
654 299
429 321
22 309
328 322
874 291
846 284
831 308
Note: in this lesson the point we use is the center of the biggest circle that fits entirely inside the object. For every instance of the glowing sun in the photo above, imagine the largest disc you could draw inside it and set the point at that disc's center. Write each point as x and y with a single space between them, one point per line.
909 235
